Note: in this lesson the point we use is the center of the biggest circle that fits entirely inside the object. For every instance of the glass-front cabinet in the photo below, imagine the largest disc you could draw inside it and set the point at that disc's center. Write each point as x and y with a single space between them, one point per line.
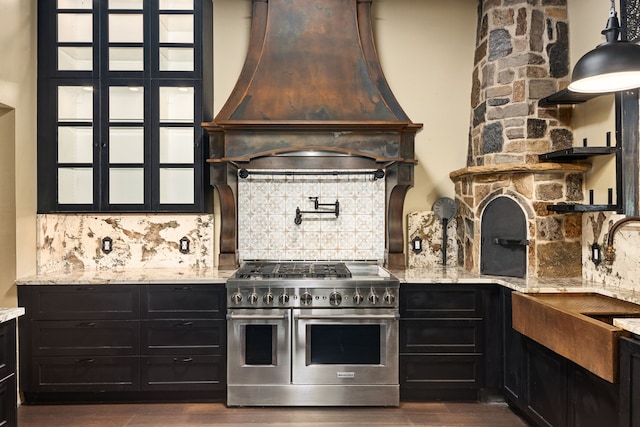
123 86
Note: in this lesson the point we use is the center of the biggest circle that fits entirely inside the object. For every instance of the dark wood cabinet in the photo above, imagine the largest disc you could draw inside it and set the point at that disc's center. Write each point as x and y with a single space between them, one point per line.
630 382
8 395
118 342
443 341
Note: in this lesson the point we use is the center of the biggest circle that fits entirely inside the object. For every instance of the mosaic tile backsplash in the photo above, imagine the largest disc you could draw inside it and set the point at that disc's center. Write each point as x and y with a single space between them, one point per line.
74 241
267 206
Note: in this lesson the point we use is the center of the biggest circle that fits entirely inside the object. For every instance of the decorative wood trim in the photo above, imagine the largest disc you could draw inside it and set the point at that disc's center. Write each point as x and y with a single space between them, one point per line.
228 222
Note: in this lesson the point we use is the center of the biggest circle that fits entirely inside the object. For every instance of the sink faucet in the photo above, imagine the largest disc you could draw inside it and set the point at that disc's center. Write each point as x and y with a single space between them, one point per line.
609 252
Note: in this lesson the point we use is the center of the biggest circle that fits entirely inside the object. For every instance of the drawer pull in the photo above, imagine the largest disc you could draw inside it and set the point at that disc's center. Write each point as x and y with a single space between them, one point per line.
182 359
86 325
184 324
85 361
85 288
183 289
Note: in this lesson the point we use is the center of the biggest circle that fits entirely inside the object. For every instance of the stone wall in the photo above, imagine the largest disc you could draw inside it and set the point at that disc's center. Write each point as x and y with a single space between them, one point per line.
521 57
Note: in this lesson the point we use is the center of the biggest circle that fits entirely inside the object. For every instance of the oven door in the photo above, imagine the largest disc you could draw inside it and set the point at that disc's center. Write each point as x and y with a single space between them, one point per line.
345 346
258 346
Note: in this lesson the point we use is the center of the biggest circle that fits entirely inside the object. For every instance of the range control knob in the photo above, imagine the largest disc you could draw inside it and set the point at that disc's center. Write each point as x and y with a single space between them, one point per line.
306 298
283 298
388 298
268 298
236 298
253 298
373 298
358 298
335 298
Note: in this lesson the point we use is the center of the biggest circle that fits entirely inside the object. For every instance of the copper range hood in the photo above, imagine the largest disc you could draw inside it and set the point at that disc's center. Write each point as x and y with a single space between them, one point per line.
312 95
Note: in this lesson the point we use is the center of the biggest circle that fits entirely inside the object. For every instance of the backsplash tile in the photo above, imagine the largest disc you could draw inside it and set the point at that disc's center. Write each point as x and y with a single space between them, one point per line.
624 271
267 208
428 227
73 241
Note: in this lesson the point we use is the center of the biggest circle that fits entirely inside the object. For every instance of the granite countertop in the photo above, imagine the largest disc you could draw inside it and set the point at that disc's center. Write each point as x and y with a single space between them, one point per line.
129 276
7 314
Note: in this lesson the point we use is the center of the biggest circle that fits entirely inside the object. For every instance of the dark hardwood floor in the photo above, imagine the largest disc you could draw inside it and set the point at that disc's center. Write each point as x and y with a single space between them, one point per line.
213 414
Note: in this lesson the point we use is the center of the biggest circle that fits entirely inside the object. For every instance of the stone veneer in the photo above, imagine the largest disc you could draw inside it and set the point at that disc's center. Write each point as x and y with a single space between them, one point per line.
521 56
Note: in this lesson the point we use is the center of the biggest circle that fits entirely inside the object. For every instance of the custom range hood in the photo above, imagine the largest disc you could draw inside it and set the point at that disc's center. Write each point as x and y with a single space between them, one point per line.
312 95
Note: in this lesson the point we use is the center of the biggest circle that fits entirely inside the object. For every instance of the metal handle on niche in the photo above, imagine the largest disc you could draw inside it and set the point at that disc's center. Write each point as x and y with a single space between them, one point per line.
317 206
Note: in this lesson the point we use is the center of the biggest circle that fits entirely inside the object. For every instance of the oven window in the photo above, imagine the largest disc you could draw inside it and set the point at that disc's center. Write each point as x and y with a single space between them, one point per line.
259 345
345 344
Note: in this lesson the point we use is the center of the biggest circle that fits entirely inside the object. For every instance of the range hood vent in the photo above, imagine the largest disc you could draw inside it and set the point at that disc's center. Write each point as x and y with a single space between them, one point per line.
312 82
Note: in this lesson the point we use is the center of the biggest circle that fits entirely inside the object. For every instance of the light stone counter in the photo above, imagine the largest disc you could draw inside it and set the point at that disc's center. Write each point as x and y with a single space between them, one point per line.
630 324
7 314
130 276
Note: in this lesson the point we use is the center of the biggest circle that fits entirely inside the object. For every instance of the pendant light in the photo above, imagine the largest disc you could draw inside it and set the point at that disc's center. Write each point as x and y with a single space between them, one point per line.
612 66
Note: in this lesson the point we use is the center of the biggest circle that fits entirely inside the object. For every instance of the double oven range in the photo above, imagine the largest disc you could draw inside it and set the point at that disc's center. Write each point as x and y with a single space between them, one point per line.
312 333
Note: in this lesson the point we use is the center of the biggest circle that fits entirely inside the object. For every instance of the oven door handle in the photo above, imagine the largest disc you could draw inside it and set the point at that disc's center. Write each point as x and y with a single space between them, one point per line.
348 316
232 316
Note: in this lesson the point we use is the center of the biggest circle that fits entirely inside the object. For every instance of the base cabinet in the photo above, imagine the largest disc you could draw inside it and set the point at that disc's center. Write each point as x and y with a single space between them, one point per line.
8 395
630 382
443 341
119 342
548 389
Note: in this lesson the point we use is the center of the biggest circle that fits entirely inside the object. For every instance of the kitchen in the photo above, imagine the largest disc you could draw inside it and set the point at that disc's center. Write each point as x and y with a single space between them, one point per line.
433 147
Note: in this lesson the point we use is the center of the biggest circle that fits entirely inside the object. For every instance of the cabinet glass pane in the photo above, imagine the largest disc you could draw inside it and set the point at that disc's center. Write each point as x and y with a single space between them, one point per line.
75 144
125 4
75 28
75 58
126 104
75 104
75 186
176 145
126 28
126 145
126 59
176 4
126 186
176 186
75 4
176 104
176 28
176 59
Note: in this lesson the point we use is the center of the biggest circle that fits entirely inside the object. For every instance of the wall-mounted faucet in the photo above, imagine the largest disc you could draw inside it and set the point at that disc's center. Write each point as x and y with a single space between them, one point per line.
609 252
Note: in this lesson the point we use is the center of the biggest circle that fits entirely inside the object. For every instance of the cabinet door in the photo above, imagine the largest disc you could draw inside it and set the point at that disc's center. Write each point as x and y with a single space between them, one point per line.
86 374
629 382
71 302
190 336
513 353
85 338
183 302
546 394
184 373
593 402
7 349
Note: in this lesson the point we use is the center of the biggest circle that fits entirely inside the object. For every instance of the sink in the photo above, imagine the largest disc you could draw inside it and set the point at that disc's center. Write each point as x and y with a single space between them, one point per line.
577 326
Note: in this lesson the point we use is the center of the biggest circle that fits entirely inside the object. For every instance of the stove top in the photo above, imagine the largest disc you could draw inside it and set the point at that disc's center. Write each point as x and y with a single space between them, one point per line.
293 270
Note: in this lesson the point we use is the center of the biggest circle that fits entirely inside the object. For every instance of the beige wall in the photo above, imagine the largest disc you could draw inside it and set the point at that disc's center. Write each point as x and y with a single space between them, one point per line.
593 119
18 144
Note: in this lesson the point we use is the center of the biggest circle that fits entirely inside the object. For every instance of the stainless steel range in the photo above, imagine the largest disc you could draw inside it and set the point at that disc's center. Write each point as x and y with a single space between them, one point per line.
312 334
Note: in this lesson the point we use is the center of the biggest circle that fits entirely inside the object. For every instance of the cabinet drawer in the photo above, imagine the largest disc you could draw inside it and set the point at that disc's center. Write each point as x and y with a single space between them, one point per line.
441 336
184 336
189 373
183 302
441 371
90 374
7 349
8 402
83 302
85 337
440 301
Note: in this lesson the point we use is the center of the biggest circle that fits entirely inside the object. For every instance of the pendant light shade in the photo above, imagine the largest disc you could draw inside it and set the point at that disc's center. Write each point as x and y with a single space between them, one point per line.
612 66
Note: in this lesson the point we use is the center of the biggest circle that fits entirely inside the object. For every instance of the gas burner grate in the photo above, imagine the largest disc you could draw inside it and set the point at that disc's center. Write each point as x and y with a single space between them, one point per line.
293 270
